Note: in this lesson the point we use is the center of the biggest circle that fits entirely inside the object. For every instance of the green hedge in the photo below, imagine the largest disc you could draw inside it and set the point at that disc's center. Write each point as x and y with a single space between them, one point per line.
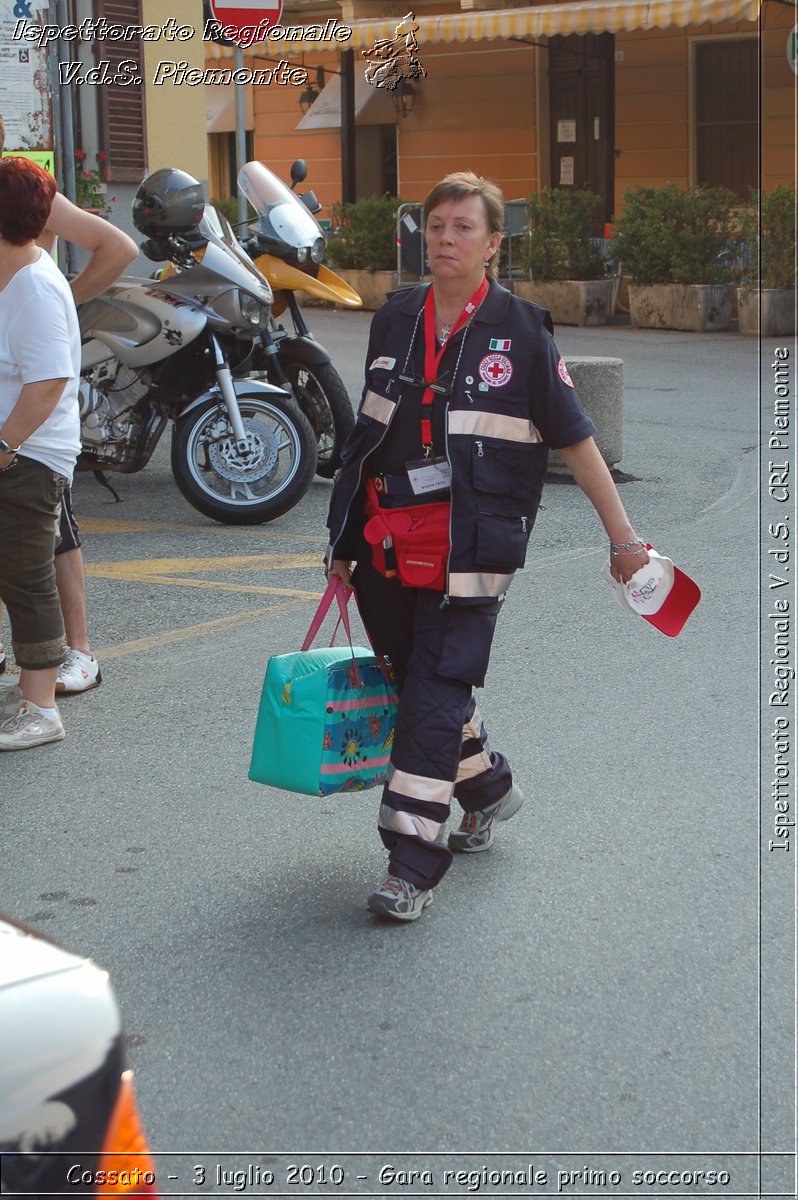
364 234
666 235
560 244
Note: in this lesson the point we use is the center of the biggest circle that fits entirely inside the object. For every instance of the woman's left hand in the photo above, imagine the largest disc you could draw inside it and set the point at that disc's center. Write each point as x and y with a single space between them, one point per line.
343 569
6 460
624 563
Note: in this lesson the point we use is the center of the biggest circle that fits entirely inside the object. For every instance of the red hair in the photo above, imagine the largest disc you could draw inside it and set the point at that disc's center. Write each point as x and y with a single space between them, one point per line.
26 194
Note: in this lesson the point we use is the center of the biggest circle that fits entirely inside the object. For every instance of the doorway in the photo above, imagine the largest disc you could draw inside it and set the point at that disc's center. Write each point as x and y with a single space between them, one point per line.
582 116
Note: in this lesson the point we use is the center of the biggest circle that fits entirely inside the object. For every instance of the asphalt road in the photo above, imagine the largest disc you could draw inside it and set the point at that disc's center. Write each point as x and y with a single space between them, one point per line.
589 986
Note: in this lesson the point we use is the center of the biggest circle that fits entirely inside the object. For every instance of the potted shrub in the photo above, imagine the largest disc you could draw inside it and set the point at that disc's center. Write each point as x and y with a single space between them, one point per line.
678 248
568 270
362 247
766 297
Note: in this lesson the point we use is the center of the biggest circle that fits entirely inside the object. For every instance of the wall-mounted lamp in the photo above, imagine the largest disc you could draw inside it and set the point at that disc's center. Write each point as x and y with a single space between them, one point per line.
403 97
309 96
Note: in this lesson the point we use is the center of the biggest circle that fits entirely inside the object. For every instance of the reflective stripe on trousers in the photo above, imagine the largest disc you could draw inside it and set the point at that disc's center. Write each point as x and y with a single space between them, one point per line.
440 744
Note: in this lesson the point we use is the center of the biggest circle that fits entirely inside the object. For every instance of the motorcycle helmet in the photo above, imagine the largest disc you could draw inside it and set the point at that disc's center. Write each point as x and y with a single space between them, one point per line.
168 201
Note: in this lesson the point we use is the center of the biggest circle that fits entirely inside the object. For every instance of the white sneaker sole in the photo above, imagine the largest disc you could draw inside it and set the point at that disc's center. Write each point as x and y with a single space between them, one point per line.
61 689
31 745
459 847
375 905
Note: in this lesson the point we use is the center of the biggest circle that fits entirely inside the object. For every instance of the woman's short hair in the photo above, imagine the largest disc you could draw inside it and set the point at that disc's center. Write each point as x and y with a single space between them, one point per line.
26 195
466 183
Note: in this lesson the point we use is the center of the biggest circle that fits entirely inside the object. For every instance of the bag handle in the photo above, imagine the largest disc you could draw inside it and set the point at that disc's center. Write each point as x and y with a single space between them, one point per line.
336 590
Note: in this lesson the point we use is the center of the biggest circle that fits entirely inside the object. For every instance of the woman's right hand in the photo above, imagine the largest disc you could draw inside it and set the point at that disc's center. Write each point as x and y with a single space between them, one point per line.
343 569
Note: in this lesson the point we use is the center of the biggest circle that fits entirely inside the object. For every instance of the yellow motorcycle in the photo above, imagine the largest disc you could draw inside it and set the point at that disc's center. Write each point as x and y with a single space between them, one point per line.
287 246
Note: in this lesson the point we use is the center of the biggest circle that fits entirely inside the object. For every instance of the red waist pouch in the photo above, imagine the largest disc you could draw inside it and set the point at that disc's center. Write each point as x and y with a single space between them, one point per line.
411 543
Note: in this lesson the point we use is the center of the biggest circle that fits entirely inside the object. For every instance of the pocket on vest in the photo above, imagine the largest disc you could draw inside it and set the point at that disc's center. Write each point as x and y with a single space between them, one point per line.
502 541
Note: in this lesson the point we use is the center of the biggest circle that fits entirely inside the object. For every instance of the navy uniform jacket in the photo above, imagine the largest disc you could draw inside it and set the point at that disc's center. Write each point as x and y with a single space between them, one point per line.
511 397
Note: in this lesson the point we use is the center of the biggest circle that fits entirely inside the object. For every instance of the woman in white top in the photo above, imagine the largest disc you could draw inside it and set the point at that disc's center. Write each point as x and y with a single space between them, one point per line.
39 444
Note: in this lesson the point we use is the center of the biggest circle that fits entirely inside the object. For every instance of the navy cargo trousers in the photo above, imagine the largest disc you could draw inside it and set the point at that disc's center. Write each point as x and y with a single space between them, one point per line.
440 653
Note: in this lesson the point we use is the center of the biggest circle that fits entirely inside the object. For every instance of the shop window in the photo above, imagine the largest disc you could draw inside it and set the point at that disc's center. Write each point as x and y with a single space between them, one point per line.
726 113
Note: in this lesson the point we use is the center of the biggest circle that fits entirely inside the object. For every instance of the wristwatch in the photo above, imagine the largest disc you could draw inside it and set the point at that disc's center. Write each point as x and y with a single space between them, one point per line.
6 449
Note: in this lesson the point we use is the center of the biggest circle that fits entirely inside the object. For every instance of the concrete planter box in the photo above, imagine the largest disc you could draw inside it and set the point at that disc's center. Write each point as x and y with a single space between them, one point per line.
572 301
695 307
599 385
372 286
769 311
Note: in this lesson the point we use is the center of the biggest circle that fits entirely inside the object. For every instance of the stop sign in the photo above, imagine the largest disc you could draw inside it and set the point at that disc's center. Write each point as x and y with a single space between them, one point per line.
245 15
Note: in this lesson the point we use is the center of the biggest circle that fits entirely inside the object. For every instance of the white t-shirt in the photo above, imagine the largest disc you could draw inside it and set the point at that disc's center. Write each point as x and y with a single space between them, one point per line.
40 339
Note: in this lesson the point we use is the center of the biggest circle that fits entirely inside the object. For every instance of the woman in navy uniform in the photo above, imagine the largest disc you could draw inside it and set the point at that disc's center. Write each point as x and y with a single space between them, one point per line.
434 503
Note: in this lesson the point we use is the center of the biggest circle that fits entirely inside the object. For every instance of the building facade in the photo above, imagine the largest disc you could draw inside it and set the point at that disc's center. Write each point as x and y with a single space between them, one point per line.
604 96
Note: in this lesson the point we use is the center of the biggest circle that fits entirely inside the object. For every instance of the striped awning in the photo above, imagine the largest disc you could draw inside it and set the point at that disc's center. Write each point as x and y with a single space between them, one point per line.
575 16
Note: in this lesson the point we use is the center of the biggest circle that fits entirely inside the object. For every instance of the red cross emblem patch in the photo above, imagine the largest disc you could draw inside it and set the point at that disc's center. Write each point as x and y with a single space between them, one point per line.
562 371
495 370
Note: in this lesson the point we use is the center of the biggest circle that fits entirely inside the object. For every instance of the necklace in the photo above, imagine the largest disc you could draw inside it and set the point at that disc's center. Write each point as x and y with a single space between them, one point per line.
444 326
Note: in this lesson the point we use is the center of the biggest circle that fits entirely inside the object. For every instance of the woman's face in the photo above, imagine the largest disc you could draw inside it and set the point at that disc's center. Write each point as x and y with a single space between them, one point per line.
458 241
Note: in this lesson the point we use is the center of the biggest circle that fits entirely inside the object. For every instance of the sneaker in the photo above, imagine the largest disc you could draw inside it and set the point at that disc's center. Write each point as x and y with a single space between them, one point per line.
29 728
398 899
80 673
10 700
478 829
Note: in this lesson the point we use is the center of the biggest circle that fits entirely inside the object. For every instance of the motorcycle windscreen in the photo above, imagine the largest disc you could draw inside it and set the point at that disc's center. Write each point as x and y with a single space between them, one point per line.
282 215
216 231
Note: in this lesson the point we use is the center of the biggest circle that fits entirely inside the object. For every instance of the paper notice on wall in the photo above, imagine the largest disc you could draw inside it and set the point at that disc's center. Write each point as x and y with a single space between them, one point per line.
566 131
24 87
566 170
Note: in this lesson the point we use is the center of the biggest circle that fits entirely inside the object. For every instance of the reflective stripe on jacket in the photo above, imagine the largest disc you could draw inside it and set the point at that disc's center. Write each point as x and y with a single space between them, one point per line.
509 399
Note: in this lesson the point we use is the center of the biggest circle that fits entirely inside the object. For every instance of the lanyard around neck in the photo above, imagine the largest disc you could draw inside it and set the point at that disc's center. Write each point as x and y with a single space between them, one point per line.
432 359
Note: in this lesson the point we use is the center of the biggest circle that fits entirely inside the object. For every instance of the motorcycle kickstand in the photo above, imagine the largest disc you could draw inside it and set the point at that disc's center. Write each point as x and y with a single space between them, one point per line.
103 479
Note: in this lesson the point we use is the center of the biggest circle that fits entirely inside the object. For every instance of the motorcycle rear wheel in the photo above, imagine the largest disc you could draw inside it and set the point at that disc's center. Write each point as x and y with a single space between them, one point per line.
321 394
248 488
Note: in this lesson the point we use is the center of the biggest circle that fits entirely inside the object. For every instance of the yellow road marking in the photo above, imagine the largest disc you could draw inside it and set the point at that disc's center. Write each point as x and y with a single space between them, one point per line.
114 525
108 653
218 586
132 568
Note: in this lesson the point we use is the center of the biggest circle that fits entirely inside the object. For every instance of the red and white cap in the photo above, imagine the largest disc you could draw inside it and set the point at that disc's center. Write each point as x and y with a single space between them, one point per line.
659 592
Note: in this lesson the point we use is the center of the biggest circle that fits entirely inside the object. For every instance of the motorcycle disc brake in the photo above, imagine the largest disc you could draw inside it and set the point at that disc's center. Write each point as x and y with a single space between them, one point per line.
257 463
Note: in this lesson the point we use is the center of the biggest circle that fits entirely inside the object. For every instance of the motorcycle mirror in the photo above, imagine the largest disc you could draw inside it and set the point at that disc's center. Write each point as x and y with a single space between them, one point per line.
310 201
299 171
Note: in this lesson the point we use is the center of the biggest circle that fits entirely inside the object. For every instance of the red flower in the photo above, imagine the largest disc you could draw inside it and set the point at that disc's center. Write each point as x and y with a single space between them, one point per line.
80 155
100 156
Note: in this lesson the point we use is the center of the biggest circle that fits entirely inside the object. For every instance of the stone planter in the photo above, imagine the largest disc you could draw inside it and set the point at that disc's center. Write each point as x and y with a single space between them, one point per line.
769 311
372 286
572 301
695 307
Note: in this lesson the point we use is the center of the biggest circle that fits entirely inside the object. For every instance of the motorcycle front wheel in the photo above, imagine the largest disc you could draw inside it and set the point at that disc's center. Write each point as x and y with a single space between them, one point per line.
249 486
321 394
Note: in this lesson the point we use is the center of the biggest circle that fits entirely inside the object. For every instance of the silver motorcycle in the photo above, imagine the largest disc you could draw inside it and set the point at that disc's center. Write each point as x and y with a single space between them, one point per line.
165 350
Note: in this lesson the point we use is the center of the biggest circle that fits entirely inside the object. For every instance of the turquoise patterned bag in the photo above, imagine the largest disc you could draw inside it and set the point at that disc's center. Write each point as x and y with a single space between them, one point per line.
326 716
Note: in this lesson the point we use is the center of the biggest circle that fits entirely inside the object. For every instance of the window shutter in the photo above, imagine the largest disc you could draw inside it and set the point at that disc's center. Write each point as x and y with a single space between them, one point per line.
726 113
121 107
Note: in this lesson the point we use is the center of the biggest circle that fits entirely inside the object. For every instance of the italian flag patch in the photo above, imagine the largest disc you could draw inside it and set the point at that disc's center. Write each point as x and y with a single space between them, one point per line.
500 343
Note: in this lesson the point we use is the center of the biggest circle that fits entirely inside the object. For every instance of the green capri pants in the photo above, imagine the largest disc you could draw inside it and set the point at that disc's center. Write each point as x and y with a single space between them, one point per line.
30 504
